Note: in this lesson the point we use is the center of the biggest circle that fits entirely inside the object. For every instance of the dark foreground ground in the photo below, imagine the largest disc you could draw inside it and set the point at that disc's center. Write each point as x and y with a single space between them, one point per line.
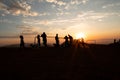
95 62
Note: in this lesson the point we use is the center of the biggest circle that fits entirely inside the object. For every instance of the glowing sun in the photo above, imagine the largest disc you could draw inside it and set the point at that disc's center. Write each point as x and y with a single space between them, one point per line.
80 35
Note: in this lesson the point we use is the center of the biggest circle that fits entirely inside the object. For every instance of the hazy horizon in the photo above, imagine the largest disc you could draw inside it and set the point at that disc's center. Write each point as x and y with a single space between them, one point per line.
30 40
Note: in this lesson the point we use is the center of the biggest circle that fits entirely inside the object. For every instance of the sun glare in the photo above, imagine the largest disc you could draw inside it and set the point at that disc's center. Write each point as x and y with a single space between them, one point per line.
80 35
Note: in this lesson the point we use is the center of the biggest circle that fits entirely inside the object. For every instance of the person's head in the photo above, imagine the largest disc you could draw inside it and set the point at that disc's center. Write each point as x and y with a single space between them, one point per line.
56 34
69 35
21 36
66 36
38 35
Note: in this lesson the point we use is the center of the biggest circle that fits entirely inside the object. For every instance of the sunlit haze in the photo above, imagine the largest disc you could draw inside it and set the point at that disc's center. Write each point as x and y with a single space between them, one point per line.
80 35
90 19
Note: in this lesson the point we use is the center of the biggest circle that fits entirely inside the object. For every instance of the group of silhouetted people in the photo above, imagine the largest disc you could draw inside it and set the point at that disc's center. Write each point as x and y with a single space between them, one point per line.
116 41
68 40
44 37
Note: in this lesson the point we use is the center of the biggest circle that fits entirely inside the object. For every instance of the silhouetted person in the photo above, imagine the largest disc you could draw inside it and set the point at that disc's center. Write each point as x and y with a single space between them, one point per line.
119 41
71 39
21 41
38 40
66 41
82 41
57 40
44 36
114 41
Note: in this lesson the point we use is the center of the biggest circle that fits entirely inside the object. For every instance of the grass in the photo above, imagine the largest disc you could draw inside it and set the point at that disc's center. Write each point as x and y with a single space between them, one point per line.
99 62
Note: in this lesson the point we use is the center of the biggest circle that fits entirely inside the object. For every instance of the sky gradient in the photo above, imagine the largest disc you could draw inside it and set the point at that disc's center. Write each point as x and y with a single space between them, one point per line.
97 19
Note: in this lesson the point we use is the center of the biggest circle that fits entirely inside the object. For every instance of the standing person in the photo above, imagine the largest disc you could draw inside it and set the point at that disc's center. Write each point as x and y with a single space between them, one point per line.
57 40
119 41
38 40
66 41
82 41
44 36
114 41
21 41
71 39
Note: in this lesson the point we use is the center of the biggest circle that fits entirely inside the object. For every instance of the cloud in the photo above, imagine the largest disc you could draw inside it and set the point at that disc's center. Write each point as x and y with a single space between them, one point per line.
61 3
28 29
78 2
8 36
95 16
85 16
65 2
2 14
111 5
84 1
62 13
74 3
40 0
44 14
17 7
5 21
51 22
2 6
36 22
58 2
80 17
91 15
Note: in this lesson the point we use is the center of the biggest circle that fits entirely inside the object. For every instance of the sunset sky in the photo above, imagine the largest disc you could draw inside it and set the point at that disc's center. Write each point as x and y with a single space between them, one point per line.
97 19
